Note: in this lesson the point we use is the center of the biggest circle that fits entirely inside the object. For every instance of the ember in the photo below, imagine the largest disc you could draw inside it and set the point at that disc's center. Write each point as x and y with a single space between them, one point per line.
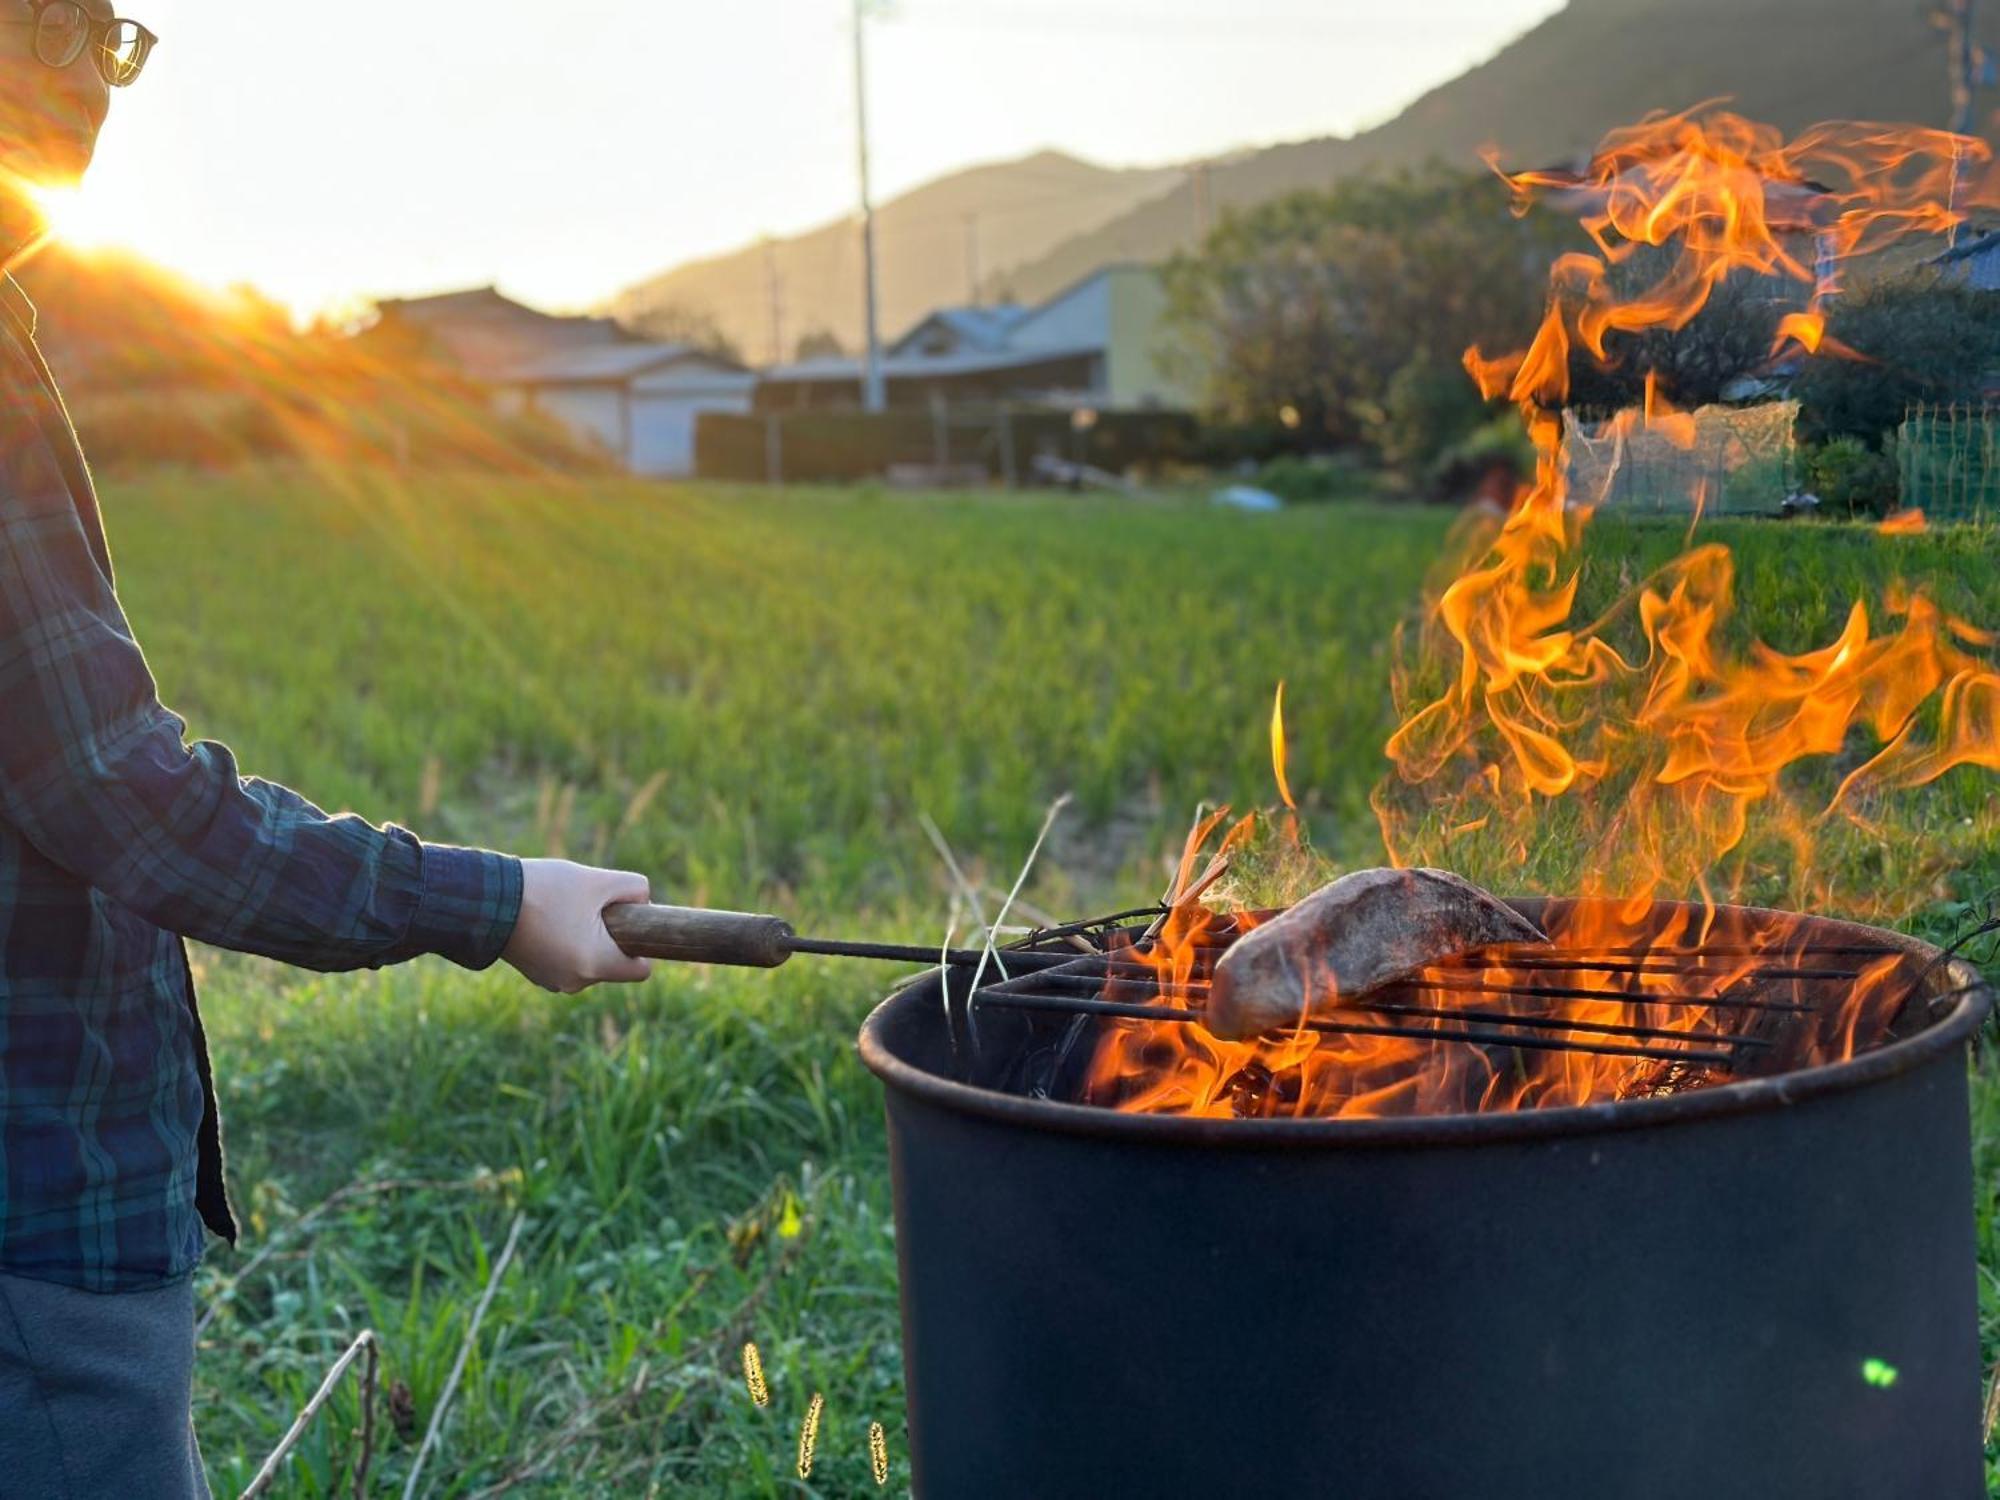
1642 737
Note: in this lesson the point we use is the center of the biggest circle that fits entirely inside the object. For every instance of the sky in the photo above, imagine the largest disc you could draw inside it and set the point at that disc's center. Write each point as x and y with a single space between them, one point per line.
333 152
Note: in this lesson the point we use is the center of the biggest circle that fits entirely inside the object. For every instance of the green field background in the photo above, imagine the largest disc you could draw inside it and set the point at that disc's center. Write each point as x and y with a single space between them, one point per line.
755 698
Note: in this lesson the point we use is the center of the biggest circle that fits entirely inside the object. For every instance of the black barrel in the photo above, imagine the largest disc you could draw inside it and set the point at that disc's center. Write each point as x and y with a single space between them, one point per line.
1763 1291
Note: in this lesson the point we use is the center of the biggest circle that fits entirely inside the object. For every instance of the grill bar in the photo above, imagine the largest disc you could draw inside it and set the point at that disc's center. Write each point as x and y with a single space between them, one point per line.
1119 1010
1089 977
1773 983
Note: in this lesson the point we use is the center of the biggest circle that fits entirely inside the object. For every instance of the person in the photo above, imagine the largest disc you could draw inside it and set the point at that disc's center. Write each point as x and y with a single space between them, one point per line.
118 839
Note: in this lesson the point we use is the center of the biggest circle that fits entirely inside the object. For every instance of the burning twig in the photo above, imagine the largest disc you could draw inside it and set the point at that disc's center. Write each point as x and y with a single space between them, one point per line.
364 1344
464 1353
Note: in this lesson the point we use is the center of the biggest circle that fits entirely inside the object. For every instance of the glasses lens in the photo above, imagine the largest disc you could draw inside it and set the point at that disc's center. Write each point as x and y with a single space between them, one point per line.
125 47
62 31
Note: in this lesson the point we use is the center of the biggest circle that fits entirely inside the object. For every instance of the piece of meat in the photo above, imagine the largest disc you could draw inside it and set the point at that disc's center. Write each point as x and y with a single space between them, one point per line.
1364 931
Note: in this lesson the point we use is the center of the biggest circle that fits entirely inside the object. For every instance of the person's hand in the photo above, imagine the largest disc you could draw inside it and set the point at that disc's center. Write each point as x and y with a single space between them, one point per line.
560 942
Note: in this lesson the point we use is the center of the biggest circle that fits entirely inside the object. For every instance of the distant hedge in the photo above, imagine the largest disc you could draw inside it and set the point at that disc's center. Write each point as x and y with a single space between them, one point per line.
843 446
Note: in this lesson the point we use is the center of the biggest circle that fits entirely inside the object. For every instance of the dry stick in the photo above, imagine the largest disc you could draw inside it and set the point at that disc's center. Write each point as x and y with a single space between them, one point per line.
979 973
364 1342
291 1231
464 1353
1992 1417
367 1454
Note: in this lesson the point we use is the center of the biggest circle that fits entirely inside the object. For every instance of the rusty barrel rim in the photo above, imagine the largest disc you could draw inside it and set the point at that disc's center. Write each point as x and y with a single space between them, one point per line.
1946 1034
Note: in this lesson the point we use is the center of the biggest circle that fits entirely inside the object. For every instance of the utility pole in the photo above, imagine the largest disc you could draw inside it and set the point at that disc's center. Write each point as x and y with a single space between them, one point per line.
775 292
972 259
1966 62
873 395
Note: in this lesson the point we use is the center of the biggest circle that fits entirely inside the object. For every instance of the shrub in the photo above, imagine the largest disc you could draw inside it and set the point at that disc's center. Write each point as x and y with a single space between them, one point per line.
1427 410
1851 477
1304 481
1487 463
1920 338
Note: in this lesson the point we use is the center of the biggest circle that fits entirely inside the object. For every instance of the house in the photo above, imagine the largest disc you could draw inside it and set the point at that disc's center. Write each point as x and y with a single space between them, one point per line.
1093 345
635 399
1976 263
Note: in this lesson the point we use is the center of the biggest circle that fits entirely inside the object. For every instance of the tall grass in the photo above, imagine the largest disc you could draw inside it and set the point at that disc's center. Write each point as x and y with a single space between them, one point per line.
753 698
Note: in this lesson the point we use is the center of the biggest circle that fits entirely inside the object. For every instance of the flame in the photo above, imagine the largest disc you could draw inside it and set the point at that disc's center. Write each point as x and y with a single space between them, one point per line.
1278 748
1645 744
1904 523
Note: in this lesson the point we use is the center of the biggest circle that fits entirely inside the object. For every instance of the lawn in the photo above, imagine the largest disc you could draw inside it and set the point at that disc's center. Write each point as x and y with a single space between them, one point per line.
755 699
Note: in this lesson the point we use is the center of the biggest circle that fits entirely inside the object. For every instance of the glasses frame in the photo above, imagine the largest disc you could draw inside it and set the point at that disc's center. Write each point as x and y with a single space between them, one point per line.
95 34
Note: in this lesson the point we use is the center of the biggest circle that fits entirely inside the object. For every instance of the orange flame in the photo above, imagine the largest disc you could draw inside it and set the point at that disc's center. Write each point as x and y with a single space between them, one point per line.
1278 748
1644 742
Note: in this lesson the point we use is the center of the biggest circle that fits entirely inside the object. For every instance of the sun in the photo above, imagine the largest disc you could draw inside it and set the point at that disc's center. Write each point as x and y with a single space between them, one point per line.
80 218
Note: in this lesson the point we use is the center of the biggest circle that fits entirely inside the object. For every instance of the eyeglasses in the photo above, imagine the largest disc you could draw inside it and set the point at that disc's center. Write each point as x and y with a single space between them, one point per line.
63 29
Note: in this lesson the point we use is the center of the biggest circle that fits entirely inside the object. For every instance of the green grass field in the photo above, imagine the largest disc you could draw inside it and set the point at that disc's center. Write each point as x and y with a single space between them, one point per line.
754 698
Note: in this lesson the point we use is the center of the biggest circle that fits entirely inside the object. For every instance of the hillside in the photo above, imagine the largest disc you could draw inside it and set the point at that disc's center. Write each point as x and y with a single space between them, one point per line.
1023 209
1049 219
1556 90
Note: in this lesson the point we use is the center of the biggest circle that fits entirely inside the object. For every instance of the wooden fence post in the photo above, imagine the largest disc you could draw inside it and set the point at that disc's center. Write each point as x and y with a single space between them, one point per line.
774 448
1009 472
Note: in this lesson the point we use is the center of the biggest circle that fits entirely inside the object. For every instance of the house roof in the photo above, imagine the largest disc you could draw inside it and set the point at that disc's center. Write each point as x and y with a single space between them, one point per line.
980 327
927 366
485 332
1977 261
602 364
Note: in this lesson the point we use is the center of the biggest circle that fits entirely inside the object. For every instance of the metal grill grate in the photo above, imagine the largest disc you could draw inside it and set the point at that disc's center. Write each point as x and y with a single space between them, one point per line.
1480 1000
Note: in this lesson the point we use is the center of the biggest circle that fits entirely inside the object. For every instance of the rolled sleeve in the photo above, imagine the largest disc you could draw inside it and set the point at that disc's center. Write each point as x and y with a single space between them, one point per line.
470 901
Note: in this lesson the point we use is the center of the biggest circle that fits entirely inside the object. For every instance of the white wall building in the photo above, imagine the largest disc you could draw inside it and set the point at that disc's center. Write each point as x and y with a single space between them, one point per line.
634 399
637 401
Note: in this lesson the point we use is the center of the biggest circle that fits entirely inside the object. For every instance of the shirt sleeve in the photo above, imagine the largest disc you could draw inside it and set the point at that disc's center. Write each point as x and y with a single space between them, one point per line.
100 779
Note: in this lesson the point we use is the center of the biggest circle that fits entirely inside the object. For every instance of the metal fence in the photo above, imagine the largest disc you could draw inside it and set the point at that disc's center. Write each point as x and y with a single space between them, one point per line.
1948 461
1740 461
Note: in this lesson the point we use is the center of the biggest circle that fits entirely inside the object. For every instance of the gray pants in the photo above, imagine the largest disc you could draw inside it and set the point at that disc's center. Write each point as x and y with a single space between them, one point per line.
94 1393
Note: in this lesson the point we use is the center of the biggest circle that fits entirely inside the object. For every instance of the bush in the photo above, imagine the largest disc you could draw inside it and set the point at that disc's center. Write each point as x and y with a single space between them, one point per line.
1920 338
1427 410
1851 477
1305 481
1488 463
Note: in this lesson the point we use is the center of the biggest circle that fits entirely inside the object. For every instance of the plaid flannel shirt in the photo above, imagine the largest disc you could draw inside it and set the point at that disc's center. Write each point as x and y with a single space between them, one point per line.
117 839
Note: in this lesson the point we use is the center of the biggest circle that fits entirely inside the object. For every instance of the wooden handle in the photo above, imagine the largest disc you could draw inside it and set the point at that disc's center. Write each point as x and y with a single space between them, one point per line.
690 935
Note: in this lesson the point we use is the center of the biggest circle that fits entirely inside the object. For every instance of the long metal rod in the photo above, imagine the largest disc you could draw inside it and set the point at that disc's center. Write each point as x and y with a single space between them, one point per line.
1064 1005
1194 988
1459 1014
910 954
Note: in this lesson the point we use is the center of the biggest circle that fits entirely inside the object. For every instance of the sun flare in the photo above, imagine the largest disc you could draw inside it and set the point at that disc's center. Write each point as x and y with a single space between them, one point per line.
80 218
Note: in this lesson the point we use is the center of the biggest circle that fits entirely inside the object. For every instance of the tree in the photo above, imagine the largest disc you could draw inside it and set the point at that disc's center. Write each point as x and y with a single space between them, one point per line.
818 343
1920 337
1731 336
1308 305
684 323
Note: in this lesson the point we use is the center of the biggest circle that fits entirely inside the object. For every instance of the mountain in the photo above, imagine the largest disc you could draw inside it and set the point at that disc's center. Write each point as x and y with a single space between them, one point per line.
1049 219
1557 89
1018 211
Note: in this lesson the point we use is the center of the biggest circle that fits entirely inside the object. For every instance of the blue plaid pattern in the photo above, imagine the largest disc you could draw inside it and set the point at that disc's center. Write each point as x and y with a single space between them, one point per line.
118 839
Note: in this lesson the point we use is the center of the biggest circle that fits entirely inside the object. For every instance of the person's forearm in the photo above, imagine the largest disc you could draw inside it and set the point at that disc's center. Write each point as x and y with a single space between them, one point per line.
173 833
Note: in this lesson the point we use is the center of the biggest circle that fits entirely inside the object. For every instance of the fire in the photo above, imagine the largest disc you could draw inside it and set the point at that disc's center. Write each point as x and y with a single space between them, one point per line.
1646 741
1278 749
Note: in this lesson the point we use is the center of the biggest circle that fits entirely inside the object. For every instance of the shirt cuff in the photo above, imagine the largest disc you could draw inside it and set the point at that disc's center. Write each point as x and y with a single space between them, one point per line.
471 901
